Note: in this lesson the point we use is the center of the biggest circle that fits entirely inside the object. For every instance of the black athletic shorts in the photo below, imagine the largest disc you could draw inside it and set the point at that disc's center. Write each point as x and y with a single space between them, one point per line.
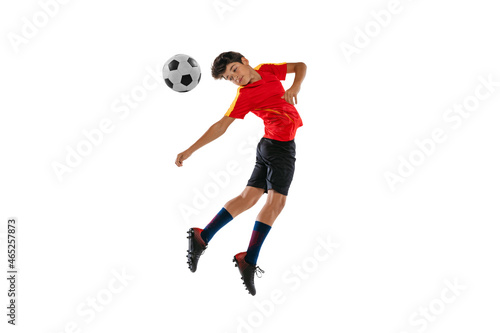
275 165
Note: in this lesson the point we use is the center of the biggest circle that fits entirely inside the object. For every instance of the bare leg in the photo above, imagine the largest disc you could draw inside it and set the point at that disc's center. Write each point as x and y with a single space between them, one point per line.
272 208
246 200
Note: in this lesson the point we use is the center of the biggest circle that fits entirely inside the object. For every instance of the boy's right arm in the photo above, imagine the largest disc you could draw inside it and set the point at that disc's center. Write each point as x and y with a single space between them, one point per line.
215 131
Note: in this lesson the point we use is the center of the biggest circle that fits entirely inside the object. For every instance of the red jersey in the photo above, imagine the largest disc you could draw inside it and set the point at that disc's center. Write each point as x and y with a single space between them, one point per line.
263 98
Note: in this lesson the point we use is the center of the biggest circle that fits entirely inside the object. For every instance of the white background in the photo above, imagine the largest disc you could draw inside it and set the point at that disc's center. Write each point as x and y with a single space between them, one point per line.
120 209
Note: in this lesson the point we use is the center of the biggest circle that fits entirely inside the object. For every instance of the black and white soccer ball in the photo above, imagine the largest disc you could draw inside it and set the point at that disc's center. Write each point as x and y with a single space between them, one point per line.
181 73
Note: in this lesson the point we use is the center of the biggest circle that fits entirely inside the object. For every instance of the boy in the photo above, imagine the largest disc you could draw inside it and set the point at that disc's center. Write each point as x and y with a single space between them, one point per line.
260 91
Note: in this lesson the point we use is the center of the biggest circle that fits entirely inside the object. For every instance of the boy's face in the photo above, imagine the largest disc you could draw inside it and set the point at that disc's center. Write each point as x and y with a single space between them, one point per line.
239 74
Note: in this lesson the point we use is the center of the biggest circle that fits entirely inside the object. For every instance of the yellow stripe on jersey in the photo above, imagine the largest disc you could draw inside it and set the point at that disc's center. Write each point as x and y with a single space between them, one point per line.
231 108
258 67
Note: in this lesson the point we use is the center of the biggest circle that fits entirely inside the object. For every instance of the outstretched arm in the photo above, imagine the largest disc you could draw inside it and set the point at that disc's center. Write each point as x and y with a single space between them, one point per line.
299 68
215 131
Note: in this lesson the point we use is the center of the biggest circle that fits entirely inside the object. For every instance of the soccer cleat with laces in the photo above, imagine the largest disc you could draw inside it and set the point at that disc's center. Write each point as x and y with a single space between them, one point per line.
247 272
196 247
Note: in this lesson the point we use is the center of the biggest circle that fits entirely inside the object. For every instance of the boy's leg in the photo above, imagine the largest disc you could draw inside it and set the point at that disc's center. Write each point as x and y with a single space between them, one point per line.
272 208
274 205
247 261
274 171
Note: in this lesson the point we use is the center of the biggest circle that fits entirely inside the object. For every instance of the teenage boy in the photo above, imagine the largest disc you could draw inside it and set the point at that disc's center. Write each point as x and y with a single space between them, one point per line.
260 92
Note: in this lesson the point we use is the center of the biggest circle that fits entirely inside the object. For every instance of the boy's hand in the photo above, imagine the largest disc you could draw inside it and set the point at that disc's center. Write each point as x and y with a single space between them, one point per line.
291 95
181 157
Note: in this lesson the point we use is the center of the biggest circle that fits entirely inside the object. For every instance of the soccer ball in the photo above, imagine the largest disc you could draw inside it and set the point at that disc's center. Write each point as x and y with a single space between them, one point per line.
181 73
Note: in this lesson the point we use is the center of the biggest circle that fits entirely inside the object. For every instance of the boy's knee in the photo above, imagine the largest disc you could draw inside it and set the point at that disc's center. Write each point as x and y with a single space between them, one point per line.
250 201
251 196
245 202
277 201
280 205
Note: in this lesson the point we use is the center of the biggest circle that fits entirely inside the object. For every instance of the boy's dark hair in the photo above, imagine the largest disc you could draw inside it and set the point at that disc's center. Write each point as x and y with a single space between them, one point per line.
220 63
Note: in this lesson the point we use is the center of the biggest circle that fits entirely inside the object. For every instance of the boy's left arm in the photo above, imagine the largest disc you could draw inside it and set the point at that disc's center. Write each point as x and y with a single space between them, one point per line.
299 68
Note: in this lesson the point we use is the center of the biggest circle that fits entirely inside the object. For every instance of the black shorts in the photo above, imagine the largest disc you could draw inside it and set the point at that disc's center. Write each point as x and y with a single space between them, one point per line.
275 165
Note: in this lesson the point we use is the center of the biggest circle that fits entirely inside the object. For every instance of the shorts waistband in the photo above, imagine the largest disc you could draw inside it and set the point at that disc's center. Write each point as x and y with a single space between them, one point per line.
277 141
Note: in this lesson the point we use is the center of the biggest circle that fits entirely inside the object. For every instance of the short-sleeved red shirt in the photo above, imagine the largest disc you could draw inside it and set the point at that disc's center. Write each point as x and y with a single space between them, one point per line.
263 98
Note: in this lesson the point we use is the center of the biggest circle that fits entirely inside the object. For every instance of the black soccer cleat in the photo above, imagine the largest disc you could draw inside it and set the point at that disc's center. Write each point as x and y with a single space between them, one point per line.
196 247
247 272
